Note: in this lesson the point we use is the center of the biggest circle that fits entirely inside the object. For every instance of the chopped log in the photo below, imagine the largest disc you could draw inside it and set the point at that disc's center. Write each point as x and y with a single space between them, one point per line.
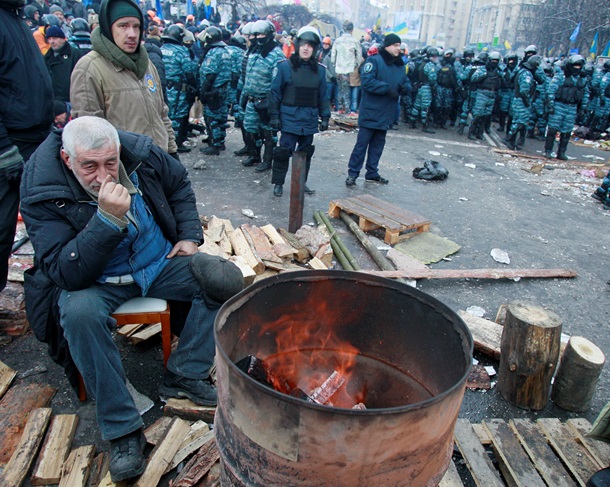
214 234
17 467
146 333
486 334
501 314
475 273
128 330
55 450
577 375
279 245
6 377
197 466
266 274
188 410
13 321
283 250
211 248
15 406
529 354
195 440
259 370
157 430
220 222
323 393
283 267
246 271
162 454
99 469
302 254
76 469
478 378
241 247
258 240
325 254
225 244
107 482
316 263
212 478
272 234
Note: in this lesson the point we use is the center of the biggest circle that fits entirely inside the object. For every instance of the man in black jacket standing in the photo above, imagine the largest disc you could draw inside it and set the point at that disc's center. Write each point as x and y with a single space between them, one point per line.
60 61
26 115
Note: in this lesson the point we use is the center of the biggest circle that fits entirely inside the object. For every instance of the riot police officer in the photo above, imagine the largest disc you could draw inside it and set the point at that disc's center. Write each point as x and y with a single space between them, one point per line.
427 74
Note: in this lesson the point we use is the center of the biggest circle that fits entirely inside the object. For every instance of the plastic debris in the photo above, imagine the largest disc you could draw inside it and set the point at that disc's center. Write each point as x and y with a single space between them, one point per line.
248 212
476 311
470 165
500 256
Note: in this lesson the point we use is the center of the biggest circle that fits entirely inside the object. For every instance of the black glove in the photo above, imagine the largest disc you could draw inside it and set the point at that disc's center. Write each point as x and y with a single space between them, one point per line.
602 101
175 156
323 125
551 109
525 100
239 123
274 123
333 79
11 164
393 94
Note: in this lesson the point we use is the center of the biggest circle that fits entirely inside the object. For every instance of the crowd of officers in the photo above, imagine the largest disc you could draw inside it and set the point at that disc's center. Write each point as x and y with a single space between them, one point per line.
537 97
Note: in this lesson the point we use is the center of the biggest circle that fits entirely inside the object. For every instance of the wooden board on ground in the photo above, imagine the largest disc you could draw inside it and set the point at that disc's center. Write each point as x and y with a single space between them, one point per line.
17 403
475 273
6 377
128 330
145 333
481 468
241 247
198 466
17 467
157 430
194 440
514 462
373 213
486 334
598 449
186 409
540 453
55 450
451 478
162 454
76 469
573 454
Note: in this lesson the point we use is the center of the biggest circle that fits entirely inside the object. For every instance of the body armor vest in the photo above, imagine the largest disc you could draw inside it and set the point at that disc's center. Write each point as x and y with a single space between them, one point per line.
303 92
571 92
491 82
446 77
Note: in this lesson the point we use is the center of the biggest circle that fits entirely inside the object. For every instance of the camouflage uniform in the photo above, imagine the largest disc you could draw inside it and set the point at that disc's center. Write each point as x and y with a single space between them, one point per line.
448 84
471 93
237 56
506 93
427 77
602 107
181 73
215 77
487 80
539 116
521 105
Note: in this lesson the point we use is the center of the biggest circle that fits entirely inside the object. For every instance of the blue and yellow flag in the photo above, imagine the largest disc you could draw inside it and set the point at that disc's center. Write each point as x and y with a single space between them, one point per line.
378 22
507 45
574 35
401 29
606 50
593 50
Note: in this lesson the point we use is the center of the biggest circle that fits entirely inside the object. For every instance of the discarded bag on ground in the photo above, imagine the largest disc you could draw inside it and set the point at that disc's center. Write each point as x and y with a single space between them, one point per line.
431 171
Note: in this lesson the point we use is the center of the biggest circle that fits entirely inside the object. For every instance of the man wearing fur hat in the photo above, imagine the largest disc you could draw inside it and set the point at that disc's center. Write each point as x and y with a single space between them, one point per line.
118 82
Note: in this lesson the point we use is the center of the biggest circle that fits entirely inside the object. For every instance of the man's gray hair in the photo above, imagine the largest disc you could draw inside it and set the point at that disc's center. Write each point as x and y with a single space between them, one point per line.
87 133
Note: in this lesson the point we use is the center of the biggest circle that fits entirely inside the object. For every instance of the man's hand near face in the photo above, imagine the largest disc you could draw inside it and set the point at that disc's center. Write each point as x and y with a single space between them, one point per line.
114 198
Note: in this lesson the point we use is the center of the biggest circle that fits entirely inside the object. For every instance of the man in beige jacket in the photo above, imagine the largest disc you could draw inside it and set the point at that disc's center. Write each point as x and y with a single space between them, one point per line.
117 81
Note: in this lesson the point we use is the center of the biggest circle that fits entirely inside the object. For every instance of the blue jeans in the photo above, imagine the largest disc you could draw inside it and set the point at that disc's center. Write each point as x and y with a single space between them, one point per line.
354 93
373 141
85 319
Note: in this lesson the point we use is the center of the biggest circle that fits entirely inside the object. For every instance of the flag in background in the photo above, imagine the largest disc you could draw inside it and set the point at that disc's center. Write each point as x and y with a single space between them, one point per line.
574 35
507 45
593 50
378 22
159 9
401 29
606 50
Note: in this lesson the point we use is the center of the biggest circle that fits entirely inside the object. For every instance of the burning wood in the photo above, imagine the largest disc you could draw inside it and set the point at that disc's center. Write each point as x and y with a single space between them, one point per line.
258 369
359 406
323 393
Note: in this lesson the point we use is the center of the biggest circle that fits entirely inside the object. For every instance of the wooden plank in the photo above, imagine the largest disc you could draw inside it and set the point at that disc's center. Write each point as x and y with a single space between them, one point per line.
451 478
573 454
220 222
599 450
99 469
259 241
212 248
6 377
482 432
475 273
198 466
17 467
316 263
285 266
401 215
128 330
284 251
15 406
157 430
212 478
186 409
514 463
241 247
266 274
481 468
350 206
195 440
146 333
301 254
486 334
76 469
247 272
107 482
273 234
55 450
162 454
225 244
542 456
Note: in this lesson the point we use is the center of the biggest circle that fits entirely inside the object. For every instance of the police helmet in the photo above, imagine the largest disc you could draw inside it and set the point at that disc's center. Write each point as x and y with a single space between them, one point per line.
448 53
606 65
240 41
79 25
189 38
576 59
533 62
173 33
531 49
482 58
404 47
415 53
468 53
262 27
432 52
50 19
246 30
495 56
293 33
226 34
212 35
308 34
511 58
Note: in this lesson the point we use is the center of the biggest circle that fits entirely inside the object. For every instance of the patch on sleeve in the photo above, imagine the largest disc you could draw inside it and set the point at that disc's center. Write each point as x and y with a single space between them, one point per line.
274 74
150 82
368 67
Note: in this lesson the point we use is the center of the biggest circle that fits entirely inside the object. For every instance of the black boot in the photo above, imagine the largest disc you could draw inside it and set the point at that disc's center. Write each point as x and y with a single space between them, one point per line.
269 144
521 139
502 122
127 456
488 124
474 128
278 190
460 130
244 150
564 138
309 150
509 140
426 128
254 152
281 158
549 142
601 193
530 134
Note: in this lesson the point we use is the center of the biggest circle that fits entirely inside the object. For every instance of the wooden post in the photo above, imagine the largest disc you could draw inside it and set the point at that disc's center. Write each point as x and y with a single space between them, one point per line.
577 375
529 353
297 195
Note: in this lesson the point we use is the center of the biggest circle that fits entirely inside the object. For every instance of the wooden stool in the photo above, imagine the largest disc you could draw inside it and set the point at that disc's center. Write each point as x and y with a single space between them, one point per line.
141 310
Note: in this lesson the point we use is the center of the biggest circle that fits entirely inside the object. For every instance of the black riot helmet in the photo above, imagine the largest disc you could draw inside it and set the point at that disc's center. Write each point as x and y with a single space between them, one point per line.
511 60
468 53
212 35
79 25
494 58
481 59
606 65
533 63
309 35
173 34
432 52
575 64
263 27
49 19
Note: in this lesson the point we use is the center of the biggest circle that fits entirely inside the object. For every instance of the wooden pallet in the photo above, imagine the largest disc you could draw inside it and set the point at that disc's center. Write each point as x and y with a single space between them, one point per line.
373 213
526 453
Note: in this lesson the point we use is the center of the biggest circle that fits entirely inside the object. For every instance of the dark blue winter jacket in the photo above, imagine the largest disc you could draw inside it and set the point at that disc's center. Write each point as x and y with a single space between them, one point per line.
380 74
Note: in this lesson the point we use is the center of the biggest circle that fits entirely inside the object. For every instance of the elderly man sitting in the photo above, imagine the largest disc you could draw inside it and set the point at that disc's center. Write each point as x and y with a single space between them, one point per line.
111 217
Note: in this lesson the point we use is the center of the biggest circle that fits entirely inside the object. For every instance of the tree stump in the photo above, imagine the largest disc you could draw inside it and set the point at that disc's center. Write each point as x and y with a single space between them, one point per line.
577 375
529 353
